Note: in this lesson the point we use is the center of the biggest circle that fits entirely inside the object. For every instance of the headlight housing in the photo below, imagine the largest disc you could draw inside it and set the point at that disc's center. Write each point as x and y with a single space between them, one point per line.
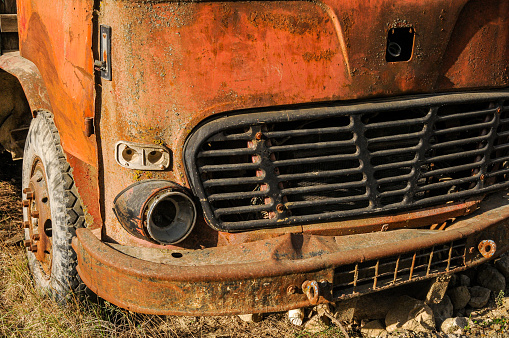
156 210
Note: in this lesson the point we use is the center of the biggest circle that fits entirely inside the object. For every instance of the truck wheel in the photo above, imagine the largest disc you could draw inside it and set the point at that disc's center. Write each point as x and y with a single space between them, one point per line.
51 210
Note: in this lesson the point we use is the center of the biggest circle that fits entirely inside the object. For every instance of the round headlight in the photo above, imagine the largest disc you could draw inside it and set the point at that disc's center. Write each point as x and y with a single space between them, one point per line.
170 217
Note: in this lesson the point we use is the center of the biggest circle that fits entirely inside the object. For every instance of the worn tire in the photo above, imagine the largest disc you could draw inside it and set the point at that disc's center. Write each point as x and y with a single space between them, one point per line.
43 147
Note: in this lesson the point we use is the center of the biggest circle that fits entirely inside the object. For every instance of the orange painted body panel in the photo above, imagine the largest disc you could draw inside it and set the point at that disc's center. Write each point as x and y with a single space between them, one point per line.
175 64
57 38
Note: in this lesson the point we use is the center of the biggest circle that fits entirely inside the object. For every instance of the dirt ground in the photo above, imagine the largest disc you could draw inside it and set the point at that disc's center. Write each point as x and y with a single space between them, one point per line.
24 312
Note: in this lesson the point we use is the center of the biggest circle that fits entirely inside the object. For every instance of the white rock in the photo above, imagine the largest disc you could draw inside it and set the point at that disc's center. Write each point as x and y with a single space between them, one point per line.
454 325
410 314
251 317
479 296
296 316
460 296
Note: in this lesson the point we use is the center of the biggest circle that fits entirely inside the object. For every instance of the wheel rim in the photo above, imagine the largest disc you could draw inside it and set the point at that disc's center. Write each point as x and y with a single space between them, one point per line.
39 222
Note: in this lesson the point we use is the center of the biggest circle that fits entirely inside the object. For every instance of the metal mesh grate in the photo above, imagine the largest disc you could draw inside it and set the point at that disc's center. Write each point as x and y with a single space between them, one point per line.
383 273
281 168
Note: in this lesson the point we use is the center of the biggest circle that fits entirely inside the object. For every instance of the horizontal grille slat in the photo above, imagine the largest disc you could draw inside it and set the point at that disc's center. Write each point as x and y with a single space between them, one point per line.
306 132
329 173
396 137
456 155
229 167
462 128
227 152
319 145
461 142
328 187
237 195
272 169
233 181
466 115
303 204
308 160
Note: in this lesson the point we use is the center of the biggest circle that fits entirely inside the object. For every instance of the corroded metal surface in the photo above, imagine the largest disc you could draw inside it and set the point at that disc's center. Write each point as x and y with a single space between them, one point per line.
175 64
30 79
256 277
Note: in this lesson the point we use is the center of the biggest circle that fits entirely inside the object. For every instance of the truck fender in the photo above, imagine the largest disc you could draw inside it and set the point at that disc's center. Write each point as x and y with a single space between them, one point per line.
30 79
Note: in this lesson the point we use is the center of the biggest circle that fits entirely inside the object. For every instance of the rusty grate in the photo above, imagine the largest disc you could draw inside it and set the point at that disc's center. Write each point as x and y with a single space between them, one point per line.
268 169
378 274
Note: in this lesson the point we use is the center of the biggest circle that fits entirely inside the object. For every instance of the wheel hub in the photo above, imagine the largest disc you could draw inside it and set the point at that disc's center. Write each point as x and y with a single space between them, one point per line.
39 222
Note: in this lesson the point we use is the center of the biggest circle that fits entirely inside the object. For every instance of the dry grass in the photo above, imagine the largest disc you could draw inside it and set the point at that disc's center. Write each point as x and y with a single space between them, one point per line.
26 313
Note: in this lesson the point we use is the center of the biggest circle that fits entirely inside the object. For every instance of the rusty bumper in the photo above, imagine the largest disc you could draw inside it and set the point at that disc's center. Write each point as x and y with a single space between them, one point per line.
279 274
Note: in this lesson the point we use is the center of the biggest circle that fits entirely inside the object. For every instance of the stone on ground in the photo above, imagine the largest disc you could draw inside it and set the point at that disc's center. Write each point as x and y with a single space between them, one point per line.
374 328
502 265
454 325
460 296
410 314
251 317
316 324
437 290
490 278
442 310
479 296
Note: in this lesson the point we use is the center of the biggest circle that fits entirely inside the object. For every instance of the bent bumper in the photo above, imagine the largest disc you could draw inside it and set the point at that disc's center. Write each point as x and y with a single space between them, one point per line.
268 275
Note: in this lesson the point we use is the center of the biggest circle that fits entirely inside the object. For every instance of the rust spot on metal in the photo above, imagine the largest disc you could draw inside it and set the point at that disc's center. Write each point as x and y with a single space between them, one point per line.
325 55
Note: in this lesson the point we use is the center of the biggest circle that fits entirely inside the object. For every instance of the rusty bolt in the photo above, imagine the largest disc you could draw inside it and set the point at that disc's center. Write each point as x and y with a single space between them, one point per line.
27 243
280 208
26 224
36 237
33 248
292 289
259 135
26 203
30 195
35 214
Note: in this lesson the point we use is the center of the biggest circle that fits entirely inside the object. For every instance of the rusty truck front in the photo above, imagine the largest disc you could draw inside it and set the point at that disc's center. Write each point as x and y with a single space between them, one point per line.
251 156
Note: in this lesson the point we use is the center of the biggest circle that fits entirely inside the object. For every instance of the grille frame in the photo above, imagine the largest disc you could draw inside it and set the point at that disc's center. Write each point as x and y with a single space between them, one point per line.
213 127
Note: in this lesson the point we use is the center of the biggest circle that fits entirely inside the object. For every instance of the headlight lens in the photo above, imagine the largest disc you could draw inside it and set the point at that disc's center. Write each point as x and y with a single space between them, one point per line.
170 217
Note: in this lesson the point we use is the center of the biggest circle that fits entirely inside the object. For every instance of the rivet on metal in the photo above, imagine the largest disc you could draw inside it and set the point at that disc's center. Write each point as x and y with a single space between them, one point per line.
27 243
33 248
292 289
26 203
26 224
36 237
280 208
35 214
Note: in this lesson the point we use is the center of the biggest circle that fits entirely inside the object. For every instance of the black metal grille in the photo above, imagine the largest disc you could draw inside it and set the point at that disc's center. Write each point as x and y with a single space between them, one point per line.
269 169
383 273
